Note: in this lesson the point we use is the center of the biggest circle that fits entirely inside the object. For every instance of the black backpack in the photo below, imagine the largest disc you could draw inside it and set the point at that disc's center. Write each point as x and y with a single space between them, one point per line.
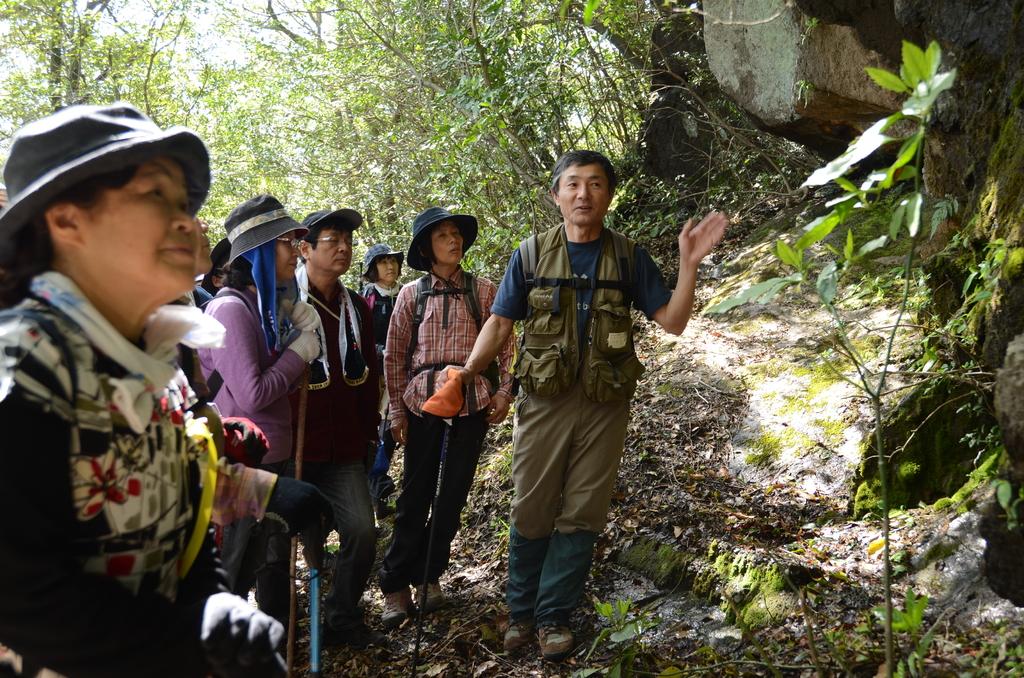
425 290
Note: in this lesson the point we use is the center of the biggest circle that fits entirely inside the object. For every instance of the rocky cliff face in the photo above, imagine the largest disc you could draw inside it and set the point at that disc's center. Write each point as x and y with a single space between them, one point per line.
797 75
978 155
798 70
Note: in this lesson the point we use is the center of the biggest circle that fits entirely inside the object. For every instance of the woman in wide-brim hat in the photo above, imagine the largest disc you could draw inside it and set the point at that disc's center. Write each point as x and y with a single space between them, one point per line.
436 321
271 337
382 267
108 564
420 252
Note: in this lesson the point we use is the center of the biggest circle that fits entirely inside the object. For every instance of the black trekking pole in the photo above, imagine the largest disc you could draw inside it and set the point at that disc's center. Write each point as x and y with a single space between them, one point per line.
430 545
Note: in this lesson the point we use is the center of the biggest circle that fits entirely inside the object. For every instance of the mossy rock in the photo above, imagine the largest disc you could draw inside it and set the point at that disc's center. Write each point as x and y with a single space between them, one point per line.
932 460
1014 264
752 592
999 213
664 565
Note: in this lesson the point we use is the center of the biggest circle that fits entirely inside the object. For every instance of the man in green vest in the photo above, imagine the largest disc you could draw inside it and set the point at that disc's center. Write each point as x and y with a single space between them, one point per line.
572 287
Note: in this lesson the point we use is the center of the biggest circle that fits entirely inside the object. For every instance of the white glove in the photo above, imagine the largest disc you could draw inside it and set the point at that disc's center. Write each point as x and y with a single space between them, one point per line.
307 345
304 317
240 641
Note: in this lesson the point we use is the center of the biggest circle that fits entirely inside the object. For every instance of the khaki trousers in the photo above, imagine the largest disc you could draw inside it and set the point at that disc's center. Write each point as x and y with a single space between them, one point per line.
566 453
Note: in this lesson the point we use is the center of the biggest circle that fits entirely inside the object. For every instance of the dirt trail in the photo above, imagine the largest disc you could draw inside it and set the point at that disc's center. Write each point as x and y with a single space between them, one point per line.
733 493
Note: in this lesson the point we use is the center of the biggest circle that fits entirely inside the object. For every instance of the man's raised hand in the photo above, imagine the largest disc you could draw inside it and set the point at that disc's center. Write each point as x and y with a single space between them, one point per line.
697 240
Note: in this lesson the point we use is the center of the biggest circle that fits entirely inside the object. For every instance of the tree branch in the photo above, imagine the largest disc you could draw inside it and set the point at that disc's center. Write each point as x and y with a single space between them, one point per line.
277 25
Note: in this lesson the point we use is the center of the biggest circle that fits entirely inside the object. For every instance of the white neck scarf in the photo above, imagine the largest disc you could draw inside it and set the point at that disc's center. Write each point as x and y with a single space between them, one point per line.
150 370
348 317
389 291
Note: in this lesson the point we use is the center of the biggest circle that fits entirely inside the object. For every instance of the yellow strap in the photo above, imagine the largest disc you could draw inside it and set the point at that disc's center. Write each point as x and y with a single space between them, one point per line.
196 428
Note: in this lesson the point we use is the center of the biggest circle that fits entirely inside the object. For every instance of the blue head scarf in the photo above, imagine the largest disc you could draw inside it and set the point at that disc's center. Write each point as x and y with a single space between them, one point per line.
264 274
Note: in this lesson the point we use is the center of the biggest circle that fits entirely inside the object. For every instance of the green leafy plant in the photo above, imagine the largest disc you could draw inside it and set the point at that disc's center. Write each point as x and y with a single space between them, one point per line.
623 636
920 79
810 23
804 88
1009 503
911 618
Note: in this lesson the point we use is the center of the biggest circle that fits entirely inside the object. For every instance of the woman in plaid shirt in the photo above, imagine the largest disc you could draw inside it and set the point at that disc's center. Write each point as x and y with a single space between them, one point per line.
445 336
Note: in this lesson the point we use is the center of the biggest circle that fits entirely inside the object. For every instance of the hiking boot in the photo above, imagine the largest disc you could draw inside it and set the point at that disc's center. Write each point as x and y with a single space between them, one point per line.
396 608
556 642
435 597
519 634
358 637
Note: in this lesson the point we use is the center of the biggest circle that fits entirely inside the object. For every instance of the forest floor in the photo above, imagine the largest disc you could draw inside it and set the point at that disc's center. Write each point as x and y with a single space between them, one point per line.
729 534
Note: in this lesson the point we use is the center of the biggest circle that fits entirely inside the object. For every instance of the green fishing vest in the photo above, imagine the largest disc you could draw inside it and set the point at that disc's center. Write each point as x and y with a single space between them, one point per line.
549 359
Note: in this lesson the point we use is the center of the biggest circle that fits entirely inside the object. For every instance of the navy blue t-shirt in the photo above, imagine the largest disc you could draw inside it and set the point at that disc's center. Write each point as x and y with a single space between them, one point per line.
649 291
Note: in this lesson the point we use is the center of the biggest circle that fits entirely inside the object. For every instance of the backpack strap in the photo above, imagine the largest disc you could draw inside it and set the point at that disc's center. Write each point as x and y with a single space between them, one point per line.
622 257
472 299
528 258
423 292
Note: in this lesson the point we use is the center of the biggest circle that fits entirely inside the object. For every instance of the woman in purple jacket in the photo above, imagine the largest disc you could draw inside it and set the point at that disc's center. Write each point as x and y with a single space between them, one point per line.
271 336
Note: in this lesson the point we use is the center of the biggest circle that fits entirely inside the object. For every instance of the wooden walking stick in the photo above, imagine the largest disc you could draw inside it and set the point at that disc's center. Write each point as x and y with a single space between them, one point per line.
300 441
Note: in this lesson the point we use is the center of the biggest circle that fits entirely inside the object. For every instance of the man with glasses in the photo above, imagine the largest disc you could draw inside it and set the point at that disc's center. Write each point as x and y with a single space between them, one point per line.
341 418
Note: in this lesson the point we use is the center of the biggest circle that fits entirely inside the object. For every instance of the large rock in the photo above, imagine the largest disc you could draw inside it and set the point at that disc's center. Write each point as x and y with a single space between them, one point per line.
797 76
1009 403
1004 551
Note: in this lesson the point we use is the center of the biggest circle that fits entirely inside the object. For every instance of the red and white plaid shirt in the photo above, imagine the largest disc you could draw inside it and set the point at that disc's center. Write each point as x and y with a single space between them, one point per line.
440 342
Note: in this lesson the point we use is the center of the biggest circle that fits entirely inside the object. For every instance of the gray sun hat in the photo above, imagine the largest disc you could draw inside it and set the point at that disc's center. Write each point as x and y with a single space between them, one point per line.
256 221
52 154
379 251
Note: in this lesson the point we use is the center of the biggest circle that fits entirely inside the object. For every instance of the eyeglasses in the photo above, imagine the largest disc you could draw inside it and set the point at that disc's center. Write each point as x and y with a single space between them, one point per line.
333 241
291 241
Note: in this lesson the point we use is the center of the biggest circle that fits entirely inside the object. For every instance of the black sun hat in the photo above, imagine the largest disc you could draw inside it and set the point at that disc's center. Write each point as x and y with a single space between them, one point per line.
256 221
343 219
425 222
52 154
379 251
219 253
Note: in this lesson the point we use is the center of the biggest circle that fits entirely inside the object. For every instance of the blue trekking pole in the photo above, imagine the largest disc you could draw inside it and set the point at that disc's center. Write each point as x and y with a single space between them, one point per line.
314 621
430 545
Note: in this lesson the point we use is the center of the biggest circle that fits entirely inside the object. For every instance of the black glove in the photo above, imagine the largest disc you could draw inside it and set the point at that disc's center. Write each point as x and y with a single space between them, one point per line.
298 503
240 641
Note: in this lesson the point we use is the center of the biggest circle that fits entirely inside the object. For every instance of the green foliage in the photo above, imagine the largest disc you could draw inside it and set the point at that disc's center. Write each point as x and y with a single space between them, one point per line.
910 621
804 88
919 77
910 618
1009 503
387 107
622 637
810 23
948 344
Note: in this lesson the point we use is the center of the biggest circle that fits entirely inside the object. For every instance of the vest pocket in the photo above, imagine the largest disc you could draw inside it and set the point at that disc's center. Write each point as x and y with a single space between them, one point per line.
541 370
541 319
613 328
612 380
